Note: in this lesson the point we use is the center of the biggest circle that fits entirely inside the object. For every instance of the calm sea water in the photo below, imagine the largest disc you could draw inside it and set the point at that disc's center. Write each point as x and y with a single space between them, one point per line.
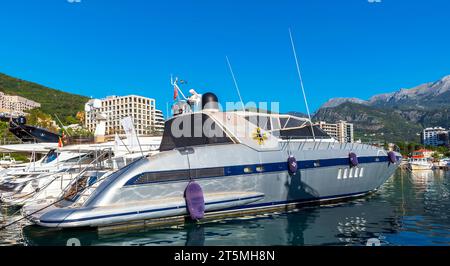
410 209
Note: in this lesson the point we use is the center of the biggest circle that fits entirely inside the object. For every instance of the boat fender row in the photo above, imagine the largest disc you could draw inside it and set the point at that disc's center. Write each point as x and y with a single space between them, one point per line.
292 165
195 201
353 159
392 157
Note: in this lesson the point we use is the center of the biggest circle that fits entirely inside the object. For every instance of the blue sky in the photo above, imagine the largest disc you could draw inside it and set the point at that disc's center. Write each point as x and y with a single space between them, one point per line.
347 48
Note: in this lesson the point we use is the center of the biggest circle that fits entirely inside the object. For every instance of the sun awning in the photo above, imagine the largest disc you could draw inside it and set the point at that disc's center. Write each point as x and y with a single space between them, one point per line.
32 147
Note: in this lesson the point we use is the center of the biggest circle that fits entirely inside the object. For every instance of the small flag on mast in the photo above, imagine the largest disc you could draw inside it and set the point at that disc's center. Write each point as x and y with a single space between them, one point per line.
175 92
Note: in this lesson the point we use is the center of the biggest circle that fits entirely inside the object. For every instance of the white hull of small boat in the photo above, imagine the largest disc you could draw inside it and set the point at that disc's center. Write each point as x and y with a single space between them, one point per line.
48 188
421 166
166 207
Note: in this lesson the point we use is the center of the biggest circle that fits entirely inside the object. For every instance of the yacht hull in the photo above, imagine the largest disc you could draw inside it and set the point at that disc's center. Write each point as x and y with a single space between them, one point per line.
244 186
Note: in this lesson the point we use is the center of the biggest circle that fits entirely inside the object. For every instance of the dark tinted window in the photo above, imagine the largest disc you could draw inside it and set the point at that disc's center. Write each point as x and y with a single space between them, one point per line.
176 175
303 133
283 122
191 130
294 123
51 156
260 121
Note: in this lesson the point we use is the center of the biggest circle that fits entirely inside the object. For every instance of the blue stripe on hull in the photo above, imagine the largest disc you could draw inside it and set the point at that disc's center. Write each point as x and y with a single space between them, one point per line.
272 167
259 205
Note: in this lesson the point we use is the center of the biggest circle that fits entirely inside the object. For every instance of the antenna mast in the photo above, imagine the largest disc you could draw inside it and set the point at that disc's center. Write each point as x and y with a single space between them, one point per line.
301 83
174 83
235 84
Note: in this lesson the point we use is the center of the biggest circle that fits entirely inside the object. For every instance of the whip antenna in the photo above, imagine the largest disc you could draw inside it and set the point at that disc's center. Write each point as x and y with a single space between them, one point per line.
301 83
235 84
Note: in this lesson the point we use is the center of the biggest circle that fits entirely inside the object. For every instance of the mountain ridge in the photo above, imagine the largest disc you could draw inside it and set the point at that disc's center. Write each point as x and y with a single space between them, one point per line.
397 116
403 97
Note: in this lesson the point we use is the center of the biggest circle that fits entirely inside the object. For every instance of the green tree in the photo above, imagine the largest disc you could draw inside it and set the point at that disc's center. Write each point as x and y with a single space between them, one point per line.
6 136
36 117
52 101
436 156
70 120
447 153
79 132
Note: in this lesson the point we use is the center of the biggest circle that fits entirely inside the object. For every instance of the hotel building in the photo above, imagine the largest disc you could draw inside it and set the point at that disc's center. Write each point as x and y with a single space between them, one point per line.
16 105
114 108
159 121
341 131
435 136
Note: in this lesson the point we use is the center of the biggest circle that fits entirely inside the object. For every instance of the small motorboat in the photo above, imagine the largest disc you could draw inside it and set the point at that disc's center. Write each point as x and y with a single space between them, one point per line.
420 164
443 163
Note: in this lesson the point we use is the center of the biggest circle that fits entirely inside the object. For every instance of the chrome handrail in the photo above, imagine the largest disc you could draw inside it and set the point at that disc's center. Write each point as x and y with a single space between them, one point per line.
106 151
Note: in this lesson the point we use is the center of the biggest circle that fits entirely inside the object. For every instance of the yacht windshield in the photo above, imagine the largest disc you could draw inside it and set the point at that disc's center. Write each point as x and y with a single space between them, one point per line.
192 130
51 156
287 126
304 132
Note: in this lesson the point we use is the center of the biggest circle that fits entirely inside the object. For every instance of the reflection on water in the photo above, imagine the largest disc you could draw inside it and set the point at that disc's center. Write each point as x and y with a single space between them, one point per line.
410 209
12 235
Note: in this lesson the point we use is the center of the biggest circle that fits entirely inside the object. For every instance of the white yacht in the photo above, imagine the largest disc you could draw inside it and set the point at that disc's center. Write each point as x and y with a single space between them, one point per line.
229 163
97 162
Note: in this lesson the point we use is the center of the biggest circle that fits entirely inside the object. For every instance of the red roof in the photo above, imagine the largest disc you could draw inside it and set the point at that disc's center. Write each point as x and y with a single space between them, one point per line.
420 153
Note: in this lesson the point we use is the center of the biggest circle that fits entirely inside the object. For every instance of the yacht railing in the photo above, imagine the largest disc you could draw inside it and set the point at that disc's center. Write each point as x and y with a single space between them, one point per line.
98 160
86 192
60 175
323 144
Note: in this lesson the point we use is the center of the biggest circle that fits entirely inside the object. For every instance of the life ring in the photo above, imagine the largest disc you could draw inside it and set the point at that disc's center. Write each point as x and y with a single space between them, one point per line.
292 165
195 201
353 159
392 157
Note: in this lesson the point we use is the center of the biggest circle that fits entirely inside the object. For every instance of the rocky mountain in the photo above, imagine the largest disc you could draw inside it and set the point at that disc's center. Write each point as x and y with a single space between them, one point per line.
338 101
427 96
372 123
395 116
298 114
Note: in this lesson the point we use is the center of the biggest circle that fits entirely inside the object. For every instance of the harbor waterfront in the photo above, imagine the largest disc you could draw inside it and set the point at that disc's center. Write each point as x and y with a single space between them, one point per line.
411 208
237 131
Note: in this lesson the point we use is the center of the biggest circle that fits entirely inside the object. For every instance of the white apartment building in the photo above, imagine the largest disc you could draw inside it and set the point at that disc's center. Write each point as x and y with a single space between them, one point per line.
115 108
16 105
159 121
435 136
341 131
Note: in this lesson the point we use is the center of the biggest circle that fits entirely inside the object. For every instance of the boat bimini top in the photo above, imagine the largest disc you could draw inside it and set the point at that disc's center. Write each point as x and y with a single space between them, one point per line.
260 131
